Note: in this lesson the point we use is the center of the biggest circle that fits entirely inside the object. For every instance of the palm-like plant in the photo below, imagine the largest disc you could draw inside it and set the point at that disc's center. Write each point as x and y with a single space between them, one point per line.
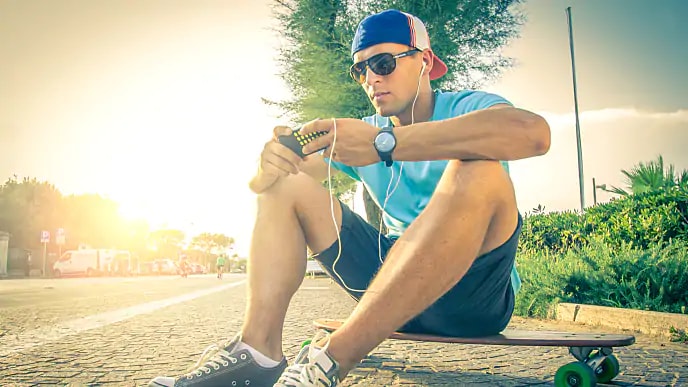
651 176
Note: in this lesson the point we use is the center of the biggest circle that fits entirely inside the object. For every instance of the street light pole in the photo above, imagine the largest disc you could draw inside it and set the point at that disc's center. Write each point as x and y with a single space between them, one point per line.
581 184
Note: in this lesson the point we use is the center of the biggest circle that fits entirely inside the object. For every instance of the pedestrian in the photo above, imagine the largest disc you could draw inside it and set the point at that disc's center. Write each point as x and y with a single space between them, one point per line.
435 161
27 267
220 265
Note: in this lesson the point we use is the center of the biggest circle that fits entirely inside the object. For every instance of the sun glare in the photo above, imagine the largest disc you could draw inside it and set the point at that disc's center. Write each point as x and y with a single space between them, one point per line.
131 211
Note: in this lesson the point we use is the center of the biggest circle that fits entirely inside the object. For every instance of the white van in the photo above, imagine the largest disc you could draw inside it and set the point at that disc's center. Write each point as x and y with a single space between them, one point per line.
79 262
313 268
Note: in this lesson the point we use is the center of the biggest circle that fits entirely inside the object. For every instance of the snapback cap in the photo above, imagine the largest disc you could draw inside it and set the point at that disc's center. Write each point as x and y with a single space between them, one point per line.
394 26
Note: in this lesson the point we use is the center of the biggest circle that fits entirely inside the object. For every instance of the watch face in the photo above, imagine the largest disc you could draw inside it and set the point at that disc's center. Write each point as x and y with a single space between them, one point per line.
384 142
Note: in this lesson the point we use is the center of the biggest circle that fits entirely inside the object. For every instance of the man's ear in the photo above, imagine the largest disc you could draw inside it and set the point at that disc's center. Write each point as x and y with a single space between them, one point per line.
427 59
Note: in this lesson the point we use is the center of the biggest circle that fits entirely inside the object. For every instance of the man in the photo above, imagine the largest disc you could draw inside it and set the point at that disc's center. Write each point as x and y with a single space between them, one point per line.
27 267
184 267
432 160
220 265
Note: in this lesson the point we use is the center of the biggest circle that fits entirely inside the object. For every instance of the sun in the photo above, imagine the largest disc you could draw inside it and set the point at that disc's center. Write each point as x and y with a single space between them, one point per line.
132 211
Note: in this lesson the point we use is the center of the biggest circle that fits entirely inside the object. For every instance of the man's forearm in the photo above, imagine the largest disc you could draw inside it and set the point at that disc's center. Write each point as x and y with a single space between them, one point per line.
490 134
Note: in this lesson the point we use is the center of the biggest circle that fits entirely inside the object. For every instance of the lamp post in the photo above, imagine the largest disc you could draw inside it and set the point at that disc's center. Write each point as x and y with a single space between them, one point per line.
575 101
603 187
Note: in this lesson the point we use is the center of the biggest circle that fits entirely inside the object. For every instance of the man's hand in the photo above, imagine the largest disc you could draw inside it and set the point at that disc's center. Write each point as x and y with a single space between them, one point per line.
276 161
354 141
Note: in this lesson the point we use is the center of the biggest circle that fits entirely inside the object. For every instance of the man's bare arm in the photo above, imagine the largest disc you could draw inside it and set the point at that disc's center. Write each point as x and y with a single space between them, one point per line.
501 132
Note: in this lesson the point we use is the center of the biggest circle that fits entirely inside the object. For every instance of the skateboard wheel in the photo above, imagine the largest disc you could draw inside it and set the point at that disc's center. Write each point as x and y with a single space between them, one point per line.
576 374
608 370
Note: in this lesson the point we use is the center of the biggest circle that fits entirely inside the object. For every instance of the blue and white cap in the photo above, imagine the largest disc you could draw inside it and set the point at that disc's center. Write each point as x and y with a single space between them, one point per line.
394 26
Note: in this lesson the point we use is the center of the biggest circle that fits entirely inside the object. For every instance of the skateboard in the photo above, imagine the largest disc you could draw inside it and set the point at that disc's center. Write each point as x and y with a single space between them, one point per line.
593 351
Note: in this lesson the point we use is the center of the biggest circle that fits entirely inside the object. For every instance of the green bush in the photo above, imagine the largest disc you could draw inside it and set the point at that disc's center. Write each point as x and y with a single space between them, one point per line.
554 232
641 220
654 279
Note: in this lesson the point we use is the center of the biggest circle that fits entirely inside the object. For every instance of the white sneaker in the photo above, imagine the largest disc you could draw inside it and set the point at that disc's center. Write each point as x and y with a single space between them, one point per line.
313 367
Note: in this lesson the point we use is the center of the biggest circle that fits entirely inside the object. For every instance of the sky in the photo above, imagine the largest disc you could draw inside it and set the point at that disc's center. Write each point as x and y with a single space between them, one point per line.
157 103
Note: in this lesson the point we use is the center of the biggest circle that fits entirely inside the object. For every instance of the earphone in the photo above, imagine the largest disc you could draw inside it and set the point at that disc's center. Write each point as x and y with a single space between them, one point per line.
387 195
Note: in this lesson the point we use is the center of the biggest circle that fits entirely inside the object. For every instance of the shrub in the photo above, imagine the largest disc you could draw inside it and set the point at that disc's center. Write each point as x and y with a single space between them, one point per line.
654 279
642 220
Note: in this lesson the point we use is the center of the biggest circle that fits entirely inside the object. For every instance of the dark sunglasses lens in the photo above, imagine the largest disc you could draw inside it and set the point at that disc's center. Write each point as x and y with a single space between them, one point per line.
382 64
358 72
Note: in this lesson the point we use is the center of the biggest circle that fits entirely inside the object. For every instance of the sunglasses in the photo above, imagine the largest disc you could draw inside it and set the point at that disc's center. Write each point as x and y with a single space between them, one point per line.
380 64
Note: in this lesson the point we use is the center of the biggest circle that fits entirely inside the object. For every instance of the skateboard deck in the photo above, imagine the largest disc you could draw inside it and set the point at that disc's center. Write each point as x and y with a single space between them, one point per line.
593 351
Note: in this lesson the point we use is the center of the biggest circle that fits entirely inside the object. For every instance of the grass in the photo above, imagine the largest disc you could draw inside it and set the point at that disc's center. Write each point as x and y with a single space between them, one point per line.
652 279
678 335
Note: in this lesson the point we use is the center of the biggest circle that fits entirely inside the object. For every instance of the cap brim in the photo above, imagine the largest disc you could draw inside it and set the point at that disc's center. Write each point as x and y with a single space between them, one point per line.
438 68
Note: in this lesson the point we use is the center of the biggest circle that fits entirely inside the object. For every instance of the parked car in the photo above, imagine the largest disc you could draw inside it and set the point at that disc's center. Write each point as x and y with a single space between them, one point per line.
197 268
165 266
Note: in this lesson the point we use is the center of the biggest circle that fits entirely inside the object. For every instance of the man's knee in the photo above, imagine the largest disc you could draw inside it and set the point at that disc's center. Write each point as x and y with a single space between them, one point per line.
288 190
309 202
477 180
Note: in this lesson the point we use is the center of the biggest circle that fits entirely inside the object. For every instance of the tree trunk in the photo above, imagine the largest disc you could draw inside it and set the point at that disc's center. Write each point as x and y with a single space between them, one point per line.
373 212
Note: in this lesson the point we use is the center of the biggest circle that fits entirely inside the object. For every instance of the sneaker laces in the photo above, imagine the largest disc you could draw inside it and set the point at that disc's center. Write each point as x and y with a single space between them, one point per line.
308 374
212 358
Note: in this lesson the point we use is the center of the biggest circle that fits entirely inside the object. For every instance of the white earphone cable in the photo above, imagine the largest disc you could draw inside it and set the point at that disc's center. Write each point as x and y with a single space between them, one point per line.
387 196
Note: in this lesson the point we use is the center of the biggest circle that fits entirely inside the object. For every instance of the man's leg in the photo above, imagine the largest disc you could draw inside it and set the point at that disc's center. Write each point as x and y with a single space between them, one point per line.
293 213
472 212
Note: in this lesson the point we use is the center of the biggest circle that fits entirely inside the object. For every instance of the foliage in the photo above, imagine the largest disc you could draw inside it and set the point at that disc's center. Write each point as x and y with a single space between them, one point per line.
678 335
212 243
166 242
28 206
34 205
640 220
631 252
316 53
625 276
650 176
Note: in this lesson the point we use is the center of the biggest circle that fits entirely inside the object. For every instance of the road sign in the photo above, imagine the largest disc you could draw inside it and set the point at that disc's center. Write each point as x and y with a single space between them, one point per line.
45 236
60 236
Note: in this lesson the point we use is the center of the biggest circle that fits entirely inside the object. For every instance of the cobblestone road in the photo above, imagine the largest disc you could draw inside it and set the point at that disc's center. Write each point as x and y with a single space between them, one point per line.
129 347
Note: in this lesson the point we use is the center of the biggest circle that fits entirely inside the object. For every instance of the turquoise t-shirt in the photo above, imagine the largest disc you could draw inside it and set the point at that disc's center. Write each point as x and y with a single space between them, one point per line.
416 183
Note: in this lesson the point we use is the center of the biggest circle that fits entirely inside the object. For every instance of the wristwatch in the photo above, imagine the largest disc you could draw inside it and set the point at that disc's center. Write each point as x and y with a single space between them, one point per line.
384 144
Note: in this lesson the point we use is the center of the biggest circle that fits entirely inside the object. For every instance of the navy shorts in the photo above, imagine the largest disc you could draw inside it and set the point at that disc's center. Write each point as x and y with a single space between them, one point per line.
481 303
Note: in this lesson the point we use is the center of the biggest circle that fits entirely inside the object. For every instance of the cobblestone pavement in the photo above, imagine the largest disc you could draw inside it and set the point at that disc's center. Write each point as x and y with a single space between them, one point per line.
131 350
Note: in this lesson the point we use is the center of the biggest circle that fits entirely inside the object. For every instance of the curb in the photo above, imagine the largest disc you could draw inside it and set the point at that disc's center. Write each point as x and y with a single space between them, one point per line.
653 323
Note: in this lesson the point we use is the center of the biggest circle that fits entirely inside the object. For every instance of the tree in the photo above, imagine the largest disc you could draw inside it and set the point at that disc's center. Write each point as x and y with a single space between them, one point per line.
166 242
93 220
26 208
211 243
648 177
316 55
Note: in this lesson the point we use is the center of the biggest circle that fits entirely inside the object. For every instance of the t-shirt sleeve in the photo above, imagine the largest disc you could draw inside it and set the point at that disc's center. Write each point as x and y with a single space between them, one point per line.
478 100
342 167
